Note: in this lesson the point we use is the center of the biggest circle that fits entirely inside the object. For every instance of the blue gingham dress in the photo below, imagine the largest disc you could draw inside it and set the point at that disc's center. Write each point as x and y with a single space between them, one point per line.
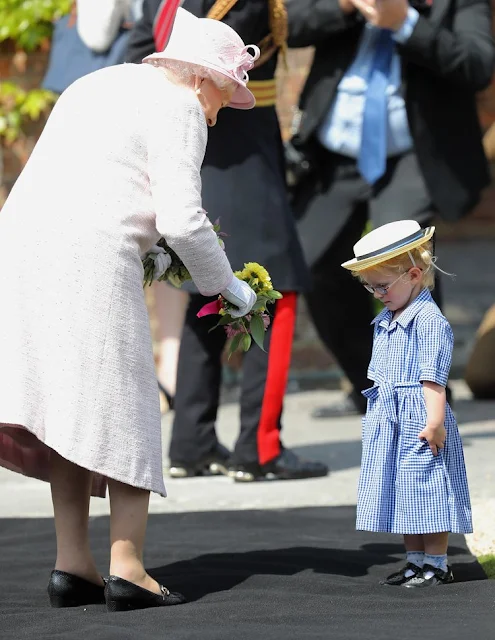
403 487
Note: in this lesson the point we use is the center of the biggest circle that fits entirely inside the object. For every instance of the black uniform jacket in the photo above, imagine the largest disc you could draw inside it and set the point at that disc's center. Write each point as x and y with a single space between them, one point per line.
243 171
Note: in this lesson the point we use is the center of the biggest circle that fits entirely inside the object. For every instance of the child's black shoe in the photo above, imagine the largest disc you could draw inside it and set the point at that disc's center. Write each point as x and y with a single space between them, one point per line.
399 577
439 577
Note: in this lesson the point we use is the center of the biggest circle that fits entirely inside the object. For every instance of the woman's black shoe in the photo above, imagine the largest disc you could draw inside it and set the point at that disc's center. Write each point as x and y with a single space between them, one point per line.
67 590
399 578
122 595
168 397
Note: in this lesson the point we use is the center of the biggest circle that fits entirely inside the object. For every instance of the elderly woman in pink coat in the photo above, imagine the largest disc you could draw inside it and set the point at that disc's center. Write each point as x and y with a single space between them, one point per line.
117 167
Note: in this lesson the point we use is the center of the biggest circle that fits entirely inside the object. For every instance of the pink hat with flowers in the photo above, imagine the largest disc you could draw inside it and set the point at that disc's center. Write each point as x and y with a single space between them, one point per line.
214 45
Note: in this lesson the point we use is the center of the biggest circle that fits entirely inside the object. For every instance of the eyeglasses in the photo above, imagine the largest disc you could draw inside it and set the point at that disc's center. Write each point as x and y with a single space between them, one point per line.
384 289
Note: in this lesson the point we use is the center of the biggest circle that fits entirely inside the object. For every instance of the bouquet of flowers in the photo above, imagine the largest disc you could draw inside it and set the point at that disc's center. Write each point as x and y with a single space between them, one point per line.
162 263
252 326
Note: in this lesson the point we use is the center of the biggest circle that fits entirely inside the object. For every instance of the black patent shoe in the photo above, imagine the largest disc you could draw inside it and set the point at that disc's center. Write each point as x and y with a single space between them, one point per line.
286 466
215 463
122 595
399 577
67 590
439 577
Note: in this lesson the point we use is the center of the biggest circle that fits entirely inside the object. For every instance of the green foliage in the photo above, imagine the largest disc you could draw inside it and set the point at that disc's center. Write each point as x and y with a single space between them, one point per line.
488 564
17 106
29 22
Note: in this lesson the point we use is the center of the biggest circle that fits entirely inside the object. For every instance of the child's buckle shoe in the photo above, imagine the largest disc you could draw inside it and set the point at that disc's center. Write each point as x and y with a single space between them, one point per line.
399 577
439 577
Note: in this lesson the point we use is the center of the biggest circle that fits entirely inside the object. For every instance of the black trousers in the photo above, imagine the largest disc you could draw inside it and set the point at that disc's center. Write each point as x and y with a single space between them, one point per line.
333 208
264 379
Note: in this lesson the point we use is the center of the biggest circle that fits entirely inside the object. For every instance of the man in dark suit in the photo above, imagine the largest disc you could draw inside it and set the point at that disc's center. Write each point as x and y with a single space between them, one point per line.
243 183
390 128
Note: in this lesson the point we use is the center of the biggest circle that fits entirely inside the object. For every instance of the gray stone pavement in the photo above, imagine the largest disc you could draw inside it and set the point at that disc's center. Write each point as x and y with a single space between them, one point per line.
334 441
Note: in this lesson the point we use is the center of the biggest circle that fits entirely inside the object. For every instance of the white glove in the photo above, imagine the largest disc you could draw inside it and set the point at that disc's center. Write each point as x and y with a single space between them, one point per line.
162 261
240 294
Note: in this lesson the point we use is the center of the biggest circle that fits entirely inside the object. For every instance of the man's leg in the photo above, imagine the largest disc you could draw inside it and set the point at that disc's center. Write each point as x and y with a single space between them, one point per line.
194 442
342 311
331 210
258 451
403 195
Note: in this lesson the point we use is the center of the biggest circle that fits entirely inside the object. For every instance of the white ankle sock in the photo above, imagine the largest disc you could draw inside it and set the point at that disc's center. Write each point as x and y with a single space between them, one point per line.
439 562
414 557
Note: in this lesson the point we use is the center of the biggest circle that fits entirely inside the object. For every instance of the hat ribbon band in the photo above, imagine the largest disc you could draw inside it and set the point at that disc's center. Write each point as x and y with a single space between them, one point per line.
395 245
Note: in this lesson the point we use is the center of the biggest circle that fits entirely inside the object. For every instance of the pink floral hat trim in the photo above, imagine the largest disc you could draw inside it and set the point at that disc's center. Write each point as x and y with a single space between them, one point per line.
216 46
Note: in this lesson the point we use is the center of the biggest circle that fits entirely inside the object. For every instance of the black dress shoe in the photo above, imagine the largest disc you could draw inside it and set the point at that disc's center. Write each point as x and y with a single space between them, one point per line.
67 590
347 406
122 595
399 577
439 577
215 463
287 466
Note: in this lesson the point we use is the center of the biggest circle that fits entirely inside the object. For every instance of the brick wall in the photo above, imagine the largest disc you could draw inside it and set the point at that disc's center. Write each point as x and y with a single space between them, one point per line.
26 71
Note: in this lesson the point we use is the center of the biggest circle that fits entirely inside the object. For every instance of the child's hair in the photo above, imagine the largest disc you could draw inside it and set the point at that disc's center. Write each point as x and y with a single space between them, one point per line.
421 257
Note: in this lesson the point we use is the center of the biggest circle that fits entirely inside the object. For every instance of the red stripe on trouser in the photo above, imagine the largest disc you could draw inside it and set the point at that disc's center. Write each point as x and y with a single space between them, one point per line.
279 356
164 22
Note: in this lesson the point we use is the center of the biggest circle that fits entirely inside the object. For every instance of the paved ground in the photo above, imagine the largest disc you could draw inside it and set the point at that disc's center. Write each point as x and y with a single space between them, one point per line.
334 441
337 442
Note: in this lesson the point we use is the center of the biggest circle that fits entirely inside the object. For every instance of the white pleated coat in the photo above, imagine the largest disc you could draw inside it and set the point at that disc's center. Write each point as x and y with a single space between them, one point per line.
117 166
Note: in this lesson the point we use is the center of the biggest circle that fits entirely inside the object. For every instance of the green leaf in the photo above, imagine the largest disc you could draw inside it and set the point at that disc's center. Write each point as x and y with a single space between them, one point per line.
257 329
222 322
226 319
246 341
234 345
260 304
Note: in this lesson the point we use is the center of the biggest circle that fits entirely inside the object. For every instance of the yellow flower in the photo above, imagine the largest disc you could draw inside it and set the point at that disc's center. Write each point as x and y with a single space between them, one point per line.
257 273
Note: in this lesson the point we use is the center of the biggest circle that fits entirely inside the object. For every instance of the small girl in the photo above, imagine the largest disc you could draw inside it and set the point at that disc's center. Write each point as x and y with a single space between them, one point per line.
413 479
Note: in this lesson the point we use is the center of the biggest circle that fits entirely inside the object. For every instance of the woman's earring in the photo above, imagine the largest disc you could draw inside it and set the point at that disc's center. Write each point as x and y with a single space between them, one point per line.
198 91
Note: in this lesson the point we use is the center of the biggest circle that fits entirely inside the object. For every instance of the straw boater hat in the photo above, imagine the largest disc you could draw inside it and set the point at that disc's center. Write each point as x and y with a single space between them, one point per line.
214 45
387 242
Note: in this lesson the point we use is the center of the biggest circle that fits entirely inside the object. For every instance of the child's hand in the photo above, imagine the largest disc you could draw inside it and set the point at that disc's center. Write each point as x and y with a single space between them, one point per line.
435 436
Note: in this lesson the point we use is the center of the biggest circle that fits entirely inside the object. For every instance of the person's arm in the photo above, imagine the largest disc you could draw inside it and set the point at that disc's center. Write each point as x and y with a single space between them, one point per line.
141 39
177 135
435 346
435 400
463 55
98 22
314 21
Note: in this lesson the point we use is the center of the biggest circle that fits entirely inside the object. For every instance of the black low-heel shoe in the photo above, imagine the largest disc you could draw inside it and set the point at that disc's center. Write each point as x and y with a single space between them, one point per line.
122 595
66 590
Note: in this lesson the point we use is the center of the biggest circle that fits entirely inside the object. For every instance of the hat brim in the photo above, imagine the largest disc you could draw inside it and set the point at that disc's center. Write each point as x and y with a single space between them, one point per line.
387 253
242 97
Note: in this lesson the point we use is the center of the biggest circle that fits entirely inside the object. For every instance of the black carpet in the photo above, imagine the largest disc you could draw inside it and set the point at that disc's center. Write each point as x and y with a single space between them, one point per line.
257 575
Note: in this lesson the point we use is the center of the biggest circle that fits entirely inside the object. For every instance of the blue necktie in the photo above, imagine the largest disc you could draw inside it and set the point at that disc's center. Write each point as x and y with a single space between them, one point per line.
372 159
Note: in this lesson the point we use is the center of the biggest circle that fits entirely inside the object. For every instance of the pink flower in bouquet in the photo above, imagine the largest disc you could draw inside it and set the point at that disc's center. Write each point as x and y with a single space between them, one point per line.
212 308
266 320
233 331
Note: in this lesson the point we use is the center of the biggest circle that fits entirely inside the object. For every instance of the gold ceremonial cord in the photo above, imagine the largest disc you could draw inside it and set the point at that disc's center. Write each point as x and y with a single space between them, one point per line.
220 9
276 39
